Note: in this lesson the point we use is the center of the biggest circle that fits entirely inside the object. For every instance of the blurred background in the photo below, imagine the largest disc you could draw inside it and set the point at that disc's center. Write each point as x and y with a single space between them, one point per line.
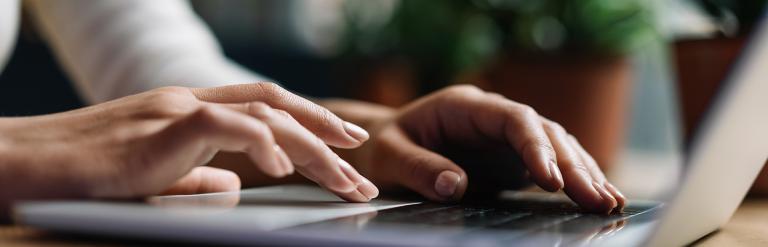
629 78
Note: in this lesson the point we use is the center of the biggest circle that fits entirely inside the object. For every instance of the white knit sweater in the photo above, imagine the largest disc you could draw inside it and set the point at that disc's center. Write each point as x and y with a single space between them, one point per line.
113 48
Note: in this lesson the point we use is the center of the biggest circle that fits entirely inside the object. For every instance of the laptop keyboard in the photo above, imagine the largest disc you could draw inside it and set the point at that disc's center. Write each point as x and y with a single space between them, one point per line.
513 217
502 216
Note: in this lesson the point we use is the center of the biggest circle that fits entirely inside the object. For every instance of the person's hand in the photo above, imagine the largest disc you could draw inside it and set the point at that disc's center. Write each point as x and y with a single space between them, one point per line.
155 142
431 145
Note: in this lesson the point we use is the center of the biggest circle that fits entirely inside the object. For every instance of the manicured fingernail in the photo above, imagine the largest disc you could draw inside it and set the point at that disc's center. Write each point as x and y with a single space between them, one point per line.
447 183
356 132
350 172
605 195
368 189
620 198
284 160
555 175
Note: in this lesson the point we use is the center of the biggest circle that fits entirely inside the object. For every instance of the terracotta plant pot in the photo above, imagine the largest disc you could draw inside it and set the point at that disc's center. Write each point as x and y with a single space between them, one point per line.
588 95
702 66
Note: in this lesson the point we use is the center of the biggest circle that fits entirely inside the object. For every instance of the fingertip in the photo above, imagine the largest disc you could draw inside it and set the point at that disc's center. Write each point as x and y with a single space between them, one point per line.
556 182
447 184
358 133
368 189
271 165
608 201
351 136
284 160
205 180
228 180
354 196
350 172
621 200
542 167
342 187
343 183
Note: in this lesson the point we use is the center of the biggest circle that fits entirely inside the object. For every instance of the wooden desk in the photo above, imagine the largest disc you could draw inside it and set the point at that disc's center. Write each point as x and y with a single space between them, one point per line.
749 227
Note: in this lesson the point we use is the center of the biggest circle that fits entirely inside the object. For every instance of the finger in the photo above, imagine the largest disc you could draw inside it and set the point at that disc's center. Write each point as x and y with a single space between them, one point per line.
598 175
213 128
284 160
312 157
579 182
365 189
430 174
205 180
319 120
516 124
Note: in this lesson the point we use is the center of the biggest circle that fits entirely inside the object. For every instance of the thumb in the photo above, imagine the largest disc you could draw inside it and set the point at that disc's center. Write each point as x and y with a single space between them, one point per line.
205 180
419 169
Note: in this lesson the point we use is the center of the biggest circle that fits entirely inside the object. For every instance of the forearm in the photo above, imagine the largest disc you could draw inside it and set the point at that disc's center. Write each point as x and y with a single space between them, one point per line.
25 175
114 48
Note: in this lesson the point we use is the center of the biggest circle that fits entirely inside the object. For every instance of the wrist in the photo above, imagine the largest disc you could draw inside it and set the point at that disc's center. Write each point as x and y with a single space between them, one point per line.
29 169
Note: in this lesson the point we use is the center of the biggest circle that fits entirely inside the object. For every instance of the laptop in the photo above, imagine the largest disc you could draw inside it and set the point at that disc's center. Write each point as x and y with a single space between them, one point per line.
723 160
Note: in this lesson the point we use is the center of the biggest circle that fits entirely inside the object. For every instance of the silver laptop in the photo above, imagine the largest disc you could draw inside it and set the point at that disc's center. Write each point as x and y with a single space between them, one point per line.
721 164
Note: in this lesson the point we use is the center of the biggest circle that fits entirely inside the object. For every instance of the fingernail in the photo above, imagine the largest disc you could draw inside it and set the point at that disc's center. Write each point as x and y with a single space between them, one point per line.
284 160
620 198
607 197
350 172
368 189
447 183
356 132
555 175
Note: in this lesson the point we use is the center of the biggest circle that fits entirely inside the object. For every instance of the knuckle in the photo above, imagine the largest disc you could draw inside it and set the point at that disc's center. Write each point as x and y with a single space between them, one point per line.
538 144
326 122
573 139
259 110
547 148
205 113
457 95
204 119
270 90
496 96
319 146
526 110
283 113
555 127
463 90
173 90
577 168
414 165
317 154
264 133
170 102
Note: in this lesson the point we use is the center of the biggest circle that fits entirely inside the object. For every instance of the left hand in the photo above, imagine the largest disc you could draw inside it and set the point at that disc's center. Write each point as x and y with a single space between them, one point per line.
411 148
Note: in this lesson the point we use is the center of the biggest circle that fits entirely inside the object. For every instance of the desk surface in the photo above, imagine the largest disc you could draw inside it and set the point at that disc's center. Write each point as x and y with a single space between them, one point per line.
748 227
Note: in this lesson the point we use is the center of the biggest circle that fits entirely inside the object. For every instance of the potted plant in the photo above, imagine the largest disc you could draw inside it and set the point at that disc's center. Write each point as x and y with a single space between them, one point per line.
702 63
567 59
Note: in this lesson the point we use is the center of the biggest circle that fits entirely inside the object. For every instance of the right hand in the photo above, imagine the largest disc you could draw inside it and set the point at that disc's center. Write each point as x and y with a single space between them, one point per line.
153 142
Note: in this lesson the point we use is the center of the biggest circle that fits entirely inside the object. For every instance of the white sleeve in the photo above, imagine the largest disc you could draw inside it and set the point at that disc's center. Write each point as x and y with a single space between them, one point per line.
113 48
